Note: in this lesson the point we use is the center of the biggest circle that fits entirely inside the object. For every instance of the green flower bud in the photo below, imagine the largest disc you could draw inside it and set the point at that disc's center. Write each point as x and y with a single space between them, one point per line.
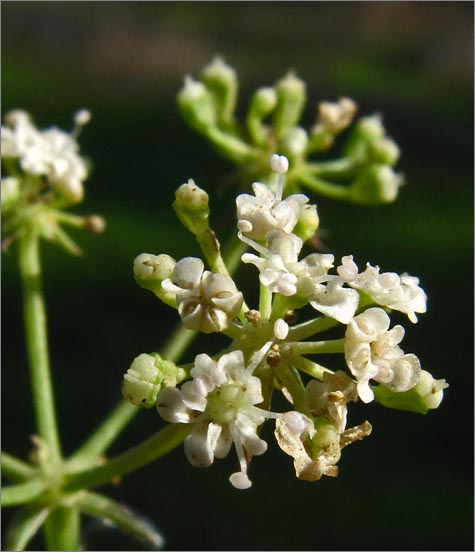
385 151
222 81
426 395
291 98
262 104
149 272
191 207
146 376
308 222
375 185
10 193
294 144
196 105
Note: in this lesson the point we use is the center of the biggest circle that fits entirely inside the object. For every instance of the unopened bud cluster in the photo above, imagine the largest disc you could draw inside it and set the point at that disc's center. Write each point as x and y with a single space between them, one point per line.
363 174
227 396
45 173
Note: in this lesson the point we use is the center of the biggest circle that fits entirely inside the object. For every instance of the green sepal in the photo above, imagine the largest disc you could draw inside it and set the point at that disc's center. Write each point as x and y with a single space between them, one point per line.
410 401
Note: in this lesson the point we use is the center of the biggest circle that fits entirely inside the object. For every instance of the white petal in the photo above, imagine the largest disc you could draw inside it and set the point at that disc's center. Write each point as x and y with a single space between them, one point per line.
197 446
171 407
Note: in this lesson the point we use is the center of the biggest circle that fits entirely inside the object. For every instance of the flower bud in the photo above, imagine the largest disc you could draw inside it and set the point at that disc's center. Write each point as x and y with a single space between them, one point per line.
385 151
196 105
10 193
308 222
149 272
291 98
426 395
95 224
262 104
191 207
71 189
375 185
222 81
295 144
146 376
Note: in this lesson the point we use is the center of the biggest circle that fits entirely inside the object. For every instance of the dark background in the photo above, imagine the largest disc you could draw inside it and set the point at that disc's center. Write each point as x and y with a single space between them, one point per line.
410 485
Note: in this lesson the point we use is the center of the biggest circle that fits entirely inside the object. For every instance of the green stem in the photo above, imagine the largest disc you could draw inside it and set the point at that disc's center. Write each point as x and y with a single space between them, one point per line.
290 378
309 367
334 168
15 469
37 343
21 493
311 327
156 446
24 526
105 434
62 528
327 189
104 508
315 347
265 302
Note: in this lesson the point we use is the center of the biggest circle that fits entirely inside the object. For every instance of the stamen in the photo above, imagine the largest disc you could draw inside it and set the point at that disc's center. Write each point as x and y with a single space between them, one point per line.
81 118
258 356
259 248
280 165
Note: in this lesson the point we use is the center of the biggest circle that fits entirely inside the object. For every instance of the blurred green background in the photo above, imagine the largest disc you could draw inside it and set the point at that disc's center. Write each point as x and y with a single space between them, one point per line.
410 485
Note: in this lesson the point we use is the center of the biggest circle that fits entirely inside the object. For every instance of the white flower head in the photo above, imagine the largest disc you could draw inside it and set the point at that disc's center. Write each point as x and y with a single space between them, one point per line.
267 211
279 267
220 401
207 301
372 352
398 292
51 153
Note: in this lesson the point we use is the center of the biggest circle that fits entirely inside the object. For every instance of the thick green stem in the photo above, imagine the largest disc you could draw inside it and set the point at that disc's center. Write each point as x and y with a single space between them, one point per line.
316 347
37 343
104 508
15 469
21 493
156 446
62 528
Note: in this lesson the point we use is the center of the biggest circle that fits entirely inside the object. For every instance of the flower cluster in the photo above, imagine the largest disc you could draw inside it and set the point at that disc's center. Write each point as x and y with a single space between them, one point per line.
45 174
363 174
226 398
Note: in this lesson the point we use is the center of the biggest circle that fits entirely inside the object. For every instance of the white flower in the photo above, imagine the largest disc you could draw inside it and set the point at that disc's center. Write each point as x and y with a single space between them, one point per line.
293 431
372 352
207 301
398 292
267 211
330 396
281 272
335 301
220 401
51 153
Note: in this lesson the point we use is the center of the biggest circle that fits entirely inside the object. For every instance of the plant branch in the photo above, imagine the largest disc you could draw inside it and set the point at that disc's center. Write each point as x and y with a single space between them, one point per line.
21 493
37 343
156 446
104 508
14 468
24 526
